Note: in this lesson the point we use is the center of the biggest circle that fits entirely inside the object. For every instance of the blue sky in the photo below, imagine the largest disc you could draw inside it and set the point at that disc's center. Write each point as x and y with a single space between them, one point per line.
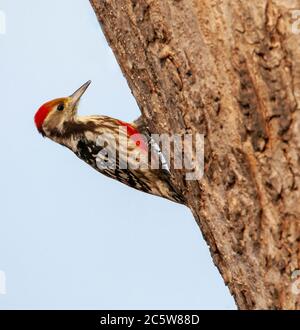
70 237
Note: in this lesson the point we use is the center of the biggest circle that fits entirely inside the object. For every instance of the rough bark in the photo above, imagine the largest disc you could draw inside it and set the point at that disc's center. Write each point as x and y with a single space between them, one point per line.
228 69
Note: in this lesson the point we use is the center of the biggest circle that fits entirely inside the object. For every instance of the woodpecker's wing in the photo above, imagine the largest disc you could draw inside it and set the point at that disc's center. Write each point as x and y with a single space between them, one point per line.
125 155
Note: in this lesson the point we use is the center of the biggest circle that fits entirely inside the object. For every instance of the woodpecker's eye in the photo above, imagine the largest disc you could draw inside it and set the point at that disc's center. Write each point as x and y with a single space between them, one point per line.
60 107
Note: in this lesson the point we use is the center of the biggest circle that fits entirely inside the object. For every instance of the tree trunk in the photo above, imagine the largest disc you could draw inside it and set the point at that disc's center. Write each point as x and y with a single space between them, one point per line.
228 69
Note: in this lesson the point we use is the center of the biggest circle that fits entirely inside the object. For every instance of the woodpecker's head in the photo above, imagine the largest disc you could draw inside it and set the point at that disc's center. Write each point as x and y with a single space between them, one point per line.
52 115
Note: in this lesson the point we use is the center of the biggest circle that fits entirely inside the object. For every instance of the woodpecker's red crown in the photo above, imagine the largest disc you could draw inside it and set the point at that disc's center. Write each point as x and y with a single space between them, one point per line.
44 111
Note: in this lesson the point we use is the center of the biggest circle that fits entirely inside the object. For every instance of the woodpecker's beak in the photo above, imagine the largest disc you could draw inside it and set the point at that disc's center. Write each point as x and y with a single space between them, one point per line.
75 97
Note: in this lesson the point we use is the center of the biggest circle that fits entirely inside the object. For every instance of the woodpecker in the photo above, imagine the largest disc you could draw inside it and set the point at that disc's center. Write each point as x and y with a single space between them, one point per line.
120 150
